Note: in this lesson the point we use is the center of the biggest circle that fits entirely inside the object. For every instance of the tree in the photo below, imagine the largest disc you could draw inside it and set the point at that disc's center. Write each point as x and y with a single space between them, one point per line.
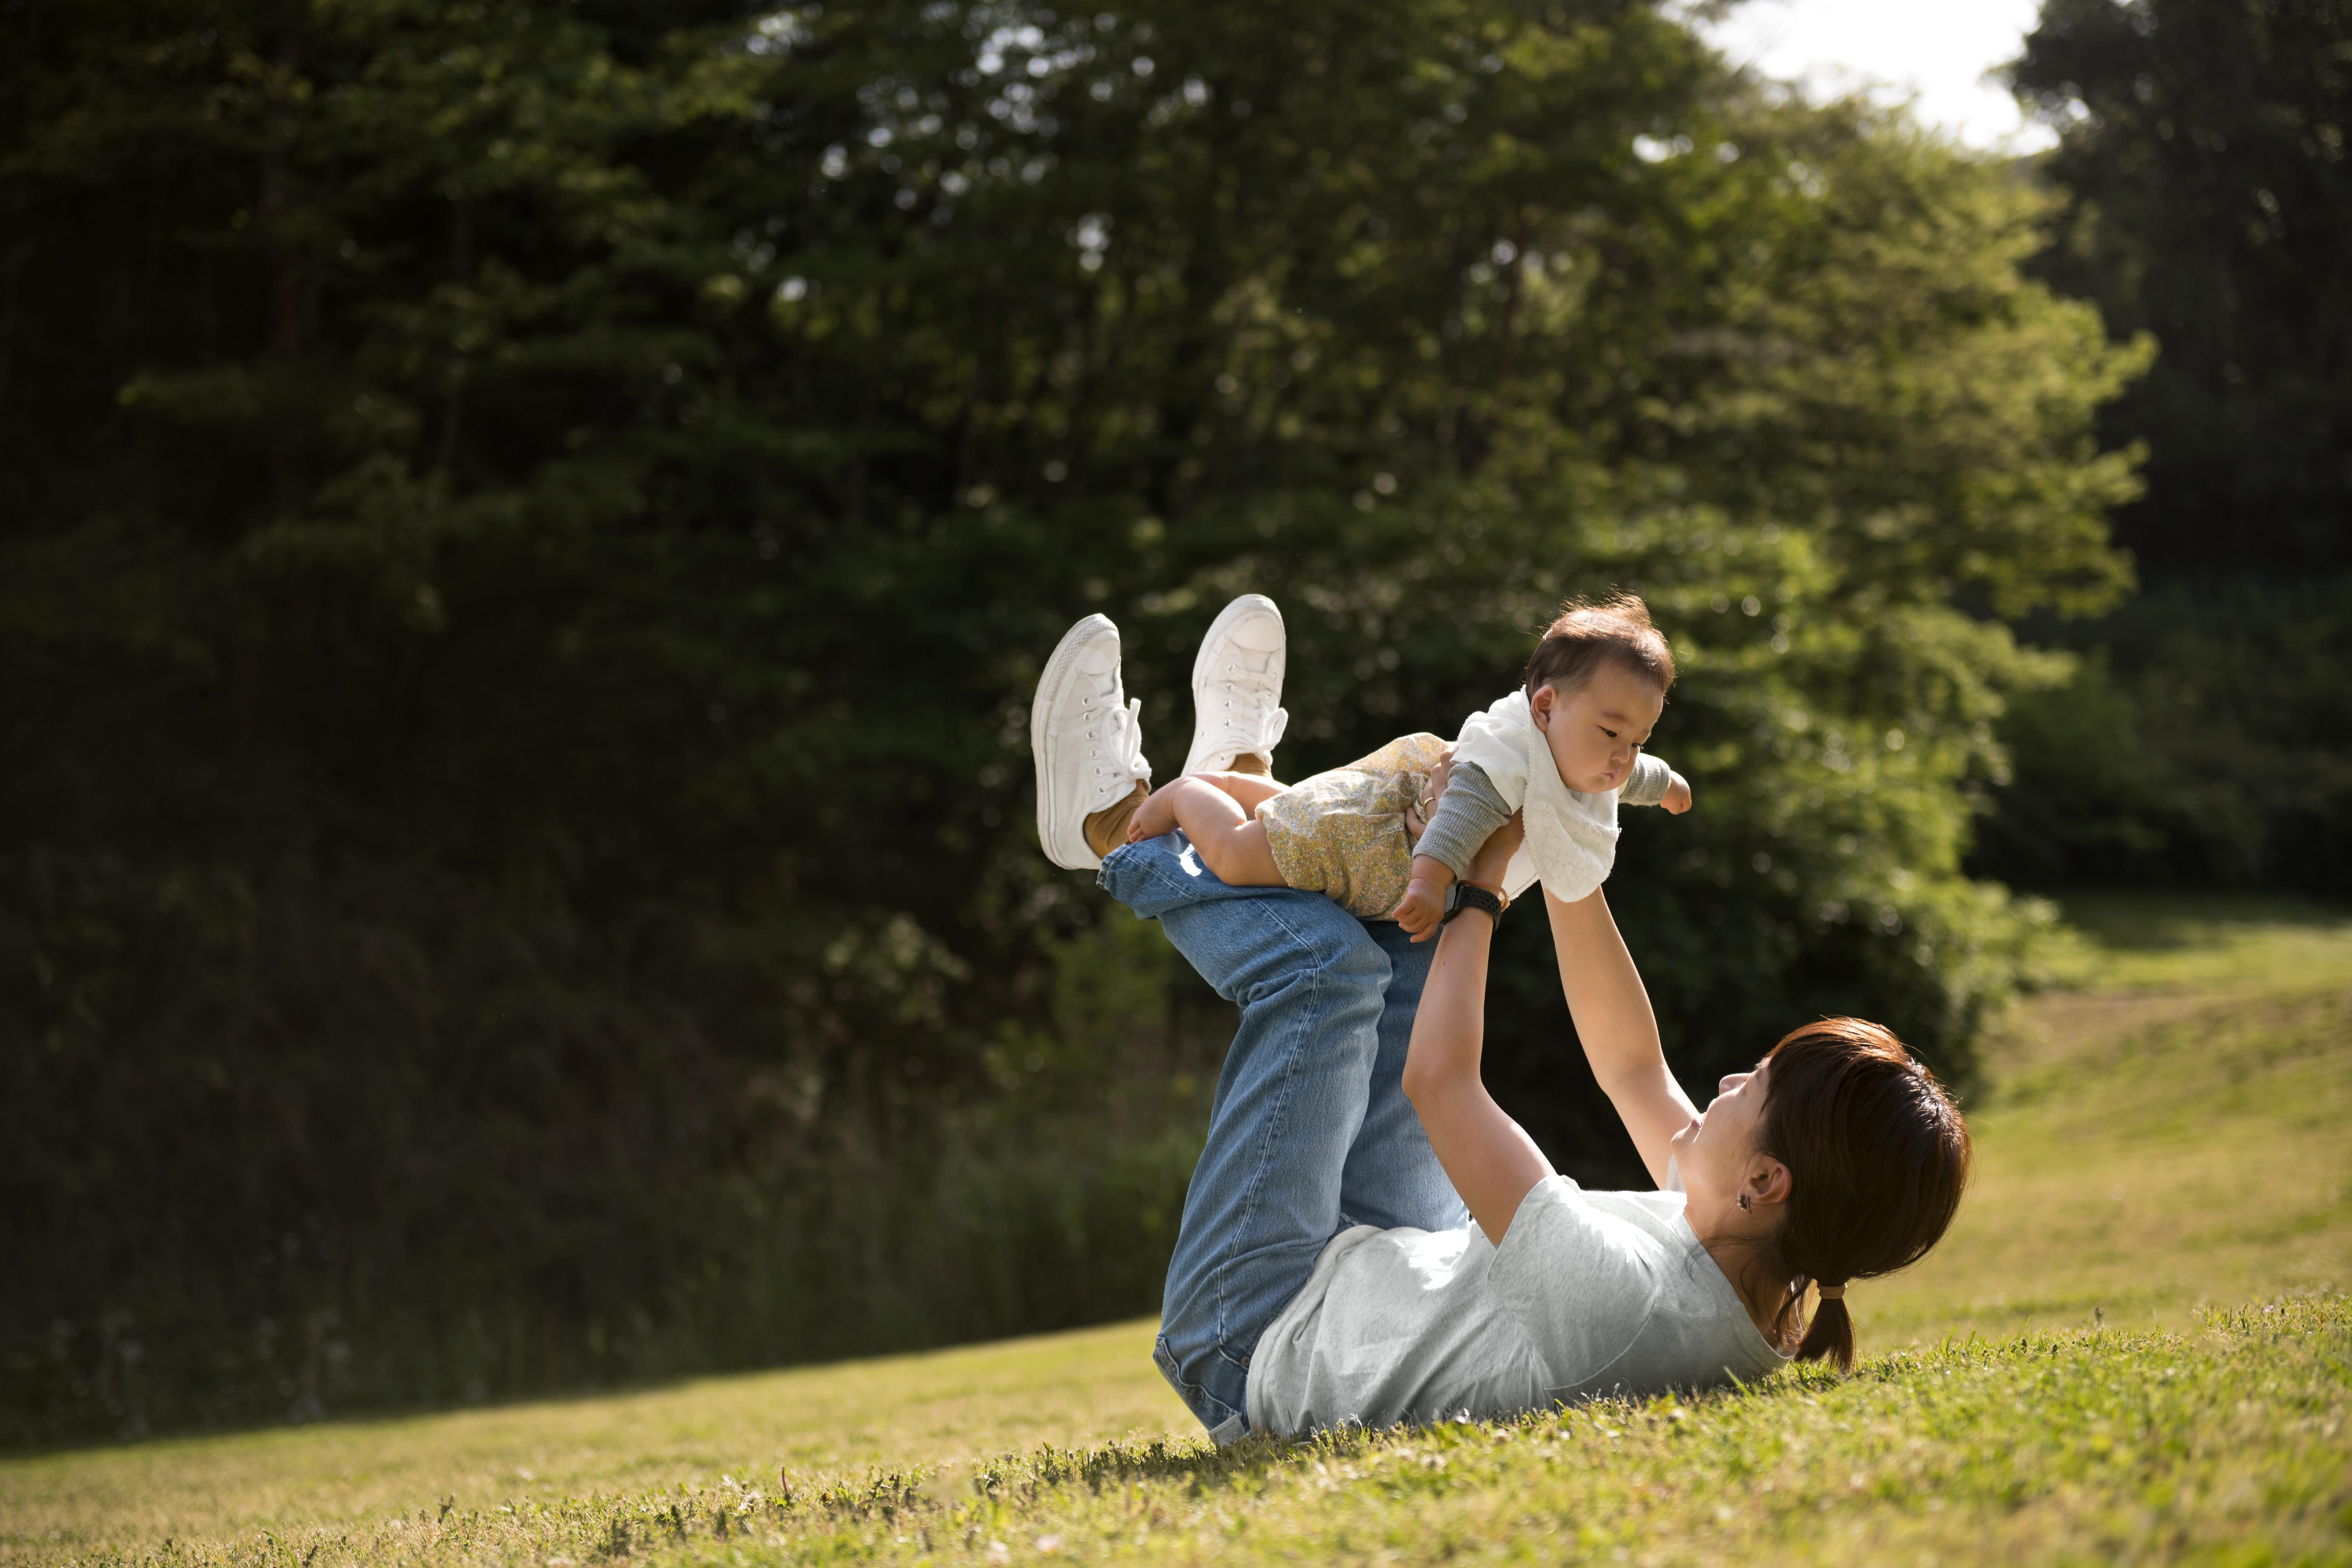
2209 203
2201 143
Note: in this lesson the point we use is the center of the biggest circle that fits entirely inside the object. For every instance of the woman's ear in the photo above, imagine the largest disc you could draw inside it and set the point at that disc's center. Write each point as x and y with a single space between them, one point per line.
1767 1181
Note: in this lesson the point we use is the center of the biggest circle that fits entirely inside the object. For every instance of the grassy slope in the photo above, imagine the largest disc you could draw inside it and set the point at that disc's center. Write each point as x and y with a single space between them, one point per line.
2172 1135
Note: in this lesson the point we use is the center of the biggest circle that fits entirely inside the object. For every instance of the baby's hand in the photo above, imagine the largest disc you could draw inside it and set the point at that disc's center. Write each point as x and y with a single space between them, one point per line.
1678 795
1422 910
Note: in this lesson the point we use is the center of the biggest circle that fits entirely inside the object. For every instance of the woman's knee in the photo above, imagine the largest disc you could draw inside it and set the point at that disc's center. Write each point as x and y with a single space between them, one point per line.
1318 946
1251 943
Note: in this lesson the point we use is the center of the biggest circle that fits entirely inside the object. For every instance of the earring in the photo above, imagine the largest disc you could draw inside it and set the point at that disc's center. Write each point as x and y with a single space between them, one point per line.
1743 1204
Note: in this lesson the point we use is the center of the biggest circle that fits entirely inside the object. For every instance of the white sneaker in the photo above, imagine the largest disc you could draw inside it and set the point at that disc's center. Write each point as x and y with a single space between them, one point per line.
1237 686
1086 739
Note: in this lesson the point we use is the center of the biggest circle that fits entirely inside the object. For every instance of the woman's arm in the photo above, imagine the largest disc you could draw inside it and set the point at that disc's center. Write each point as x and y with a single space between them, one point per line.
1620 1032
1491 1161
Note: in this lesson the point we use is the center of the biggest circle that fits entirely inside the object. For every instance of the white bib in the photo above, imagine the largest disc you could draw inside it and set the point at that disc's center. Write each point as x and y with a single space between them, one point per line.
1572 835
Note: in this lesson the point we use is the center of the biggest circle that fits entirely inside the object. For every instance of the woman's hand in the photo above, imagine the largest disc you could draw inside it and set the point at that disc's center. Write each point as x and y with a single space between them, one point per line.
1417 814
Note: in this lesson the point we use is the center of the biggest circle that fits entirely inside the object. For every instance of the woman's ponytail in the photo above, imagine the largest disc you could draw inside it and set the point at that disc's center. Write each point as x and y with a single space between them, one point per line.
1877 1158
1829 1335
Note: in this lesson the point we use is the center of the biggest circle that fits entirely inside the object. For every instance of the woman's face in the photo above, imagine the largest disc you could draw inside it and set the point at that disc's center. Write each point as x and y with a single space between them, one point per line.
1716 1152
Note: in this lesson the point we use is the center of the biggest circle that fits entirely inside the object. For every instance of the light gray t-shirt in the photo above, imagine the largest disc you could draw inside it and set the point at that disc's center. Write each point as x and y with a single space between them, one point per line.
1589 1294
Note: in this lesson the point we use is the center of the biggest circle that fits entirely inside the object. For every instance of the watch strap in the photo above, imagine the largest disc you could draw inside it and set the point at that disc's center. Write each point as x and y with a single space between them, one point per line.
1470 896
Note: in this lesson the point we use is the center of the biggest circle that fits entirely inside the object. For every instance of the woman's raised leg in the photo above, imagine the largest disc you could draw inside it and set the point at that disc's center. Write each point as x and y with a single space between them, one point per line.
1308 978
1290 1102
1392 1177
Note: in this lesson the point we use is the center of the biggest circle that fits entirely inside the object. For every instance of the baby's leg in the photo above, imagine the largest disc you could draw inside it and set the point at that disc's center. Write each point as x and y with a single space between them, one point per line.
1249 789
1156 814
1231 842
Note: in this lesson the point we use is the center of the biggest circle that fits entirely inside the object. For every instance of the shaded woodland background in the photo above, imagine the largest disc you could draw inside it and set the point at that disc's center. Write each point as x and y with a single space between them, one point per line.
526 531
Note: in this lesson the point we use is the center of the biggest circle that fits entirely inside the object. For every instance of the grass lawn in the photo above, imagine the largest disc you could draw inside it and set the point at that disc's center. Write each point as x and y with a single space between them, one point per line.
2134 1347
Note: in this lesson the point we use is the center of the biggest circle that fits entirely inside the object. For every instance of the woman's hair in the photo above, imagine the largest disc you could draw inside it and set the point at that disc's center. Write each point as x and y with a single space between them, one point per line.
1589 632
1878 1157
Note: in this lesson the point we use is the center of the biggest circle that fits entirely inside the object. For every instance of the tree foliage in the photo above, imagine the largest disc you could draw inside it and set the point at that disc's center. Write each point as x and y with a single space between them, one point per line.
530 530
2202 146
2209 203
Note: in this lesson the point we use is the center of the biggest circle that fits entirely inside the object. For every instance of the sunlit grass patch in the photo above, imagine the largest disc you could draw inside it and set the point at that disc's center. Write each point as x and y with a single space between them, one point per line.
907 1411
2140 941
2093 1446
2198 1158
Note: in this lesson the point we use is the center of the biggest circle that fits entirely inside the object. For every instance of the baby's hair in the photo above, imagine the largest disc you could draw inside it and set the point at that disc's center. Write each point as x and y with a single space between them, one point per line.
1589 632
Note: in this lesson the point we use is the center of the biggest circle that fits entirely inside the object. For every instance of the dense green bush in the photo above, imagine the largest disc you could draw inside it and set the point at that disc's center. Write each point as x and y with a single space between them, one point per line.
529 533
2204 740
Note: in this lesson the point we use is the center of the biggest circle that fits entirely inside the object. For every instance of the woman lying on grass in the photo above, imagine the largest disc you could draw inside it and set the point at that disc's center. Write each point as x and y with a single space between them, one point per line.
1323 1274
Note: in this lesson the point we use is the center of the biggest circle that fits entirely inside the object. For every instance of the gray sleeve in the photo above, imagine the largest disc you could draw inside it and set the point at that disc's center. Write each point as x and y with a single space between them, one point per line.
1467 816
1648 784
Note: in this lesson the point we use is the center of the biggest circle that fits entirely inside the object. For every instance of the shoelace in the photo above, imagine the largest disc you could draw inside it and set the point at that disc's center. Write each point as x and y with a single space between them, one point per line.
1113 740
1124 744
1246 719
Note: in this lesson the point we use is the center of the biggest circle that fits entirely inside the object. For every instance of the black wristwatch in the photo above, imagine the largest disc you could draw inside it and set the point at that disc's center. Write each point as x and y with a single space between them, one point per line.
1470 896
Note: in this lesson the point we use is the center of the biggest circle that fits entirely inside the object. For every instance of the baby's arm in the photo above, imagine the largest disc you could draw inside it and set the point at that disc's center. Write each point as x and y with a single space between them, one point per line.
1467 814
1655 783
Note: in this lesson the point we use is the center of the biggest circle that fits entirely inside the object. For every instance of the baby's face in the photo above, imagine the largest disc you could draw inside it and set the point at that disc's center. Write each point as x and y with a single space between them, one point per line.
1596 730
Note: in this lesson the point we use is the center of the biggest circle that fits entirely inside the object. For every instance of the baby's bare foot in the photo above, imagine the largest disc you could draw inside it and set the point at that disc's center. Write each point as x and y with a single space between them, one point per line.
1155 817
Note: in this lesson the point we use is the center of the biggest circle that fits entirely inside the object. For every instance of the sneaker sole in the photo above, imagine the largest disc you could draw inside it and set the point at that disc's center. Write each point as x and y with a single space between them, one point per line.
1234 611
1047 698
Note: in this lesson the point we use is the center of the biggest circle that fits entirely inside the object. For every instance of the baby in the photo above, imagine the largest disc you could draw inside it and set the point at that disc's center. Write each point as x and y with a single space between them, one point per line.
1565 749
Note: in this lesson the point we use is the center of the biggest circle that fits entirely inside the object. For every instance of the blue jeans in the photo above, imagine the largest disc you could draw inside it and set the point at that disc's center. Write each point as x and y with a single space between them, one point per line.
1309 1133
